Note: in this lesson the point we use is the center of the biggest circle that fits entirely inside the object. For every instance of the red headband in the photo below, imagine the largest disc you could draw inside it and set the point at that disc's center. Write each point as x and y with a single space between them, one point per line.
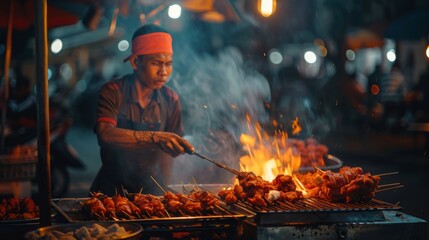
157 42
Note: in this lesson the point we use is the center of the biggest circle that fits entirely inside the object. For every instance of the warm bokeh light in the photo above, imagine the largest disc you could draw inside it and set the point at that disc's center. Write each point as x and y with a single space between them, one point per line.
375 89
174 11
323 51
267 7
427 51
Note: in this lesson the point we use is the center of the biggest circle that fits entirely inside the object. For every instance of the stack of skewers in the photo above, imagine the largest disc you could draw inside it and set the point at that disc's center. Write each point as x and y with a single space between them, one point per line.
144 206
349 185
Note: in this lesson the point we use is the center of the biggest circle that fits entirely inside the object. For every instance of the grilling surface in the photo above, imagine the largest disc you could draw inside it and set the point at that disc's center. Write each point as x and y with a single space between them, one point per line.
320 205
71 210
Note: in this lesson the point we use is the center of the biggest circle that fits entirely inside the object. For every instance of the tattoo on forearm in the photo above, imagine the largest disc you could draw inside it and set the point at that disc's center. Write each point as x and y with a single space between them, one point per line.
144 136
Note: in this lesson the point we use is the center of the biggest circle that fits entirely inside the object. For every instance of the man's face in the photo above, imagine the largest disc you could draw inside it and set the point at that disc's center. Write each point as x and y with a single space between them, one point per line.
153 70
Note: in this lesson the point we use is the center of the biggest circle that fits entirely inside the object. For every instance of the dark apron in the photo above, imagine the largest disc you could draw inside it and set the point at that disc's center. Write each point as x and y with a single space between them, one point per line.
110 182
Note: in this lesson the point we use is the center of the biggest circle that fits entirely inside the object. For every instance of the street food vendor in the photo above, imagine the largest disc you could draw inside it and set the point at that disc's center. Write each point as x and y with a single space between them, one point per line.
139 122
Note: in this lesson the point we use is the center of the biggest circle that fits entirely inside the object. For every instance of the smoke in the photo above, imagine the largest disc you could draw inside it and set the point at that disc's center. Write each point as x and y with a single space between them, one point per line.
216 93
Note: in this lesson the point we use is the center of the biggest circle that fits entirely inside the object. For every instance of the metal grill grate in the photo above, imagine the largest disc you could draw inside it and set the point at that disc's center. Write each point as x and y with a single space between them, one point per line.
313 210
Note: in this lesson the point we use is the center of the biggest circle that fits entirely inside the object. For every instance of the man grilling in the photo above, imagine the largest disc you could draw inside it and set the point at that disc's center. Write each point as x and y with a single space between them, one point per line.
139 122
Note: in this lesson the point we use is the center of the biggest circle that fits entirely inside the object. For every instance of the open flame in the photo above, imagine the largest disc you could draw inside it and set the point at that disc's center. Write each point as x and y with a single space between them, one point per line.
268 156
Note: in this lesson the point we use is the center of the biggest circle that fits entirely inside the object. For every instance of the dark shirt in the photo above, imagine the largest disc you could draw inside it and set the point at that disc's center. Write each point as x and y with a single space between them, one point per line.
131 167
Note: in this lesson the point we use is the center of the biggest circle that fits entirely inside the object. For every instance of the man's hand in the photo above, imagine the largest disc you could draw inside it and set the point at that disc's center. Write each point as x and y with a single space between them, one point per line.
172 143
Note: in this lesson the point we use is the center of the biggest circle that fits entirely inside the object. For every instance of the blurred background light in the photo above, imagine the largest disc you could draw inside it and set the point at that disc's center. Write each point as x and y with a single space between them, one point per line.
267 7
123 45
323 51
310 57
49 73
66 71
56 46
427 51
350 54
391 55
174 11
275 56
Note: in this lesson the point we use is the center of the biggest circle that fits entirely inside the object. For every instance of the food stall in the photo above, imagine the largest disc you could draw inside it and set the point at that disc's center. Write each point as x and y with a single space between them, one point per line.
332 201
319 199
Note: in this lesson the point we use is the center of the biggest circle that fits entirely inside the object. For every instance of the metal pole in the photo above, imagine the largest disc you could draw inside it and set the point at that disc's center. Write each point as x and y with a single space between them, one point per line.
43 146
6 76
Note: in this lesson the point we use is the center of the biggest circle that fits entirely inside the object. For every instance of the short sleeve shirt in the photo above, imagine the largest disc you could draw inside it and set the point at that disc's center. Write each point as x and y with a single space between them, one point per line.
131 168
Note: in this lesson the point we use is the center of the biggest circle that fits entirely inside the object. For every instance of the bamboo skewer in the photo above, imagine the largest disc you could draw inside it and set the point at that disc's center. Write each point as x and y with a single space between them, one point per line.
168 214
160 187
318 169
128 215
389 188
196 184
185 188
180 211
99 216
386 174
389 185
221 209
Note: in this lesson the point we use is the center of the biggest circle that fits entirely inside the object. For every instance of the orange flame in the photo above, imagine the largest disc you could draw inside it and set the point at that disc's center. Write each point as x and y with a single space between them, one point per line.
269 156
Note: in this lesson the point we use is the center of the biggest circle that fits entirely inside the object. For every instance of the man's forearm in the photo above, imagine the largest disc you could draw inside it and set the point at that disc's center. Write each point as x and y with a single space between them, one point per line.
123 137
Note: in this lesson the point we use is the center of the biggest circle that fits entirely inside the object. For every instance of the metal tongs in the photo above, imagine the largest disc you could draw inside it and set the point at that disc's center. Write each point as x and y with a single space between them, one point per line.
231 170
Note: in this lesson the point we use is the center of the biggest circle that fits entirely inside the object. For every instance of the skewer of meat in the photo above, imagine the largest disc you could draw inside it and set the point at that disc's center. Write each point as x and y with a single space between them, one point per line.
228 196
149 204
207 200
190 206
180 204
125 208
348 185
172 203
361 189
13 205
108 203
29 210
95 208
11 209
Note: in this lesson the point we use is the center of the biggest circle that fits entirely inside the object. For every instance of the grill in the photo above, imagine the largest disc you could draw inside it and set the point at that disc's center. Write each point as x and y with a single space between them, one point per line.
320 219
313 210
222 223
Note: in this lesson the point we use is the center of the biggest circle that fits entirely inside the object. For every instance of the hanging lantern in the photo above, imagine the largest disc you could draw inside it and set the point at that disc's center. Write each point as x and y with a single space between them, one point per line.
267 7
